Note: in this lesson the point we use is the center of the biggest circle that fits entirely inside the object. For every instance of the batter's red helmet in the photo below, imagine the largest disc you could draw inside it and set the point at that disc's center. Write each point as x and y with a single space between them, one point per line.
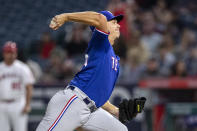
10 46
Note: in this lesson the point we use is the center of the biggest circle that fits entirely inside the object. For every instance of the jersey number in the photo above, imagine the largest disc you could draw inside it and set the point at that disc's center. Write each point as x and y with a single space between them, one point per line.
16 85
86 60
114 63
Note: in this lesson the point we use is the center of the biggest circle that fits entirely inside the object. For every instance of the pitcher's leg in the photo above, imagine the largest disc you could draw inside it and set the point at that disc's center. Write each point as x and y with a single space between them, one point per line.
101 120
63 113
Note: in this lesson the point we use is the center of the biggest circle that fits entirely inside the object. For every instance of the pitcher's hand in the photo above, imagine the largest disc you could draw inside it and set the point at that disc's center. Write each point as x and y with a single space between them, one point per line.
58 21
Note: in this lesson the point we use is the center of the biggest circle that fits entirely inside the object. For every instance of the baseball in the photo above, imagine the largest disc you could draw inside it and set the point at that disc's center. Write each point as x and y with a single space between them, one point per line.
53 24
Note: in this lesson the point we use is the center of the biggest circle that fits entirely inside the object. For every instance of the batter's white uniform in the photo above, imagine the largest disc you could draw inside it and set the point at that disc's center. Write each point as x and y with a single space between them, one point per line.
13 81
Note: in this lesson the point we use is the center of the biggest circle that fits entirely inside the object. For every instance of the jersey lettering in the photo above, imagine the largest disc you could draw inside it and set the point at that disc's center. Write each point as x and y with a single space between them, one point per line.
113 59
86 60
114 63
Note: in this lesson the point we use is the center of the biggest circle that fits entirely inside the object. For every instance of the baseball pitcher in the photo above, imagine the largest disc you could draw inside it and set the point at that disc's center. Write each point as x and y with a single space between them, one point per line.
84 102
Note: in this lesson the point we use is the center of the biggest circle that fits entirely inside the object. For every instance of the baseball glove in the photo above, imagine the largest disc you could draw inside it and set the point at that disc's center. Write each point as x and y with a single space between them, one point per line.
128 109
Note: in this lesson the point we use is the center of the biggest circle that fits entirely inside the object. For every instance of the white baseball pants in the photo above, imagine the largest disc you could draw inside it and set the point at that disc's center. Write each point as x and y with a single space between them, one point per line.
66 111
11 116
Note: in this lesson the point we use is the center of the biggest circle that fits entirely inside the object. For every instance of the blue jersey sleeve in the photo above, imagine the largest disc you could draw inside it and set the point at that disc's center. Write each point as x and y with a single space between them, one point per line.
99 41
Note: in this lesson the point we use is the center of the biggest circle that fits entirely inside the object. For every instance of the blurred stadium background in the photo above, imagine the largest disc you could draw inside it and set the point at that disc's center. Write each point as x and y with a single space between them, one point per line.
157 47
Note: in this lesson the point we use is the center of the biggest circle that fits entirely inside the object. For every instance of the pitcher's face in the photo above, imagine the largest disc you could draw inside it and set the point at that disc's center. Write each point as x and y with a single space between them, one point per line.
114 28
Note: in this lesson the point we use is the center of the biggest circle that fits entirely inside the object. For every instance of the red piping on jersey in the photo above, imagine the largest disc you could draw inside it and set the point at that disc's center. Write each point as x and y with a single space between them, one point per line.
103 31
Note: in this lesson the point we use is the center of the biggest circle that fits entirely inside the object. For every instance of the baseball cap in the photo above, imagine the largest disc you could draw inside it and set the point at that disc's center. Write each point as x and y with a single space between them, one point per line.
10 46
109 17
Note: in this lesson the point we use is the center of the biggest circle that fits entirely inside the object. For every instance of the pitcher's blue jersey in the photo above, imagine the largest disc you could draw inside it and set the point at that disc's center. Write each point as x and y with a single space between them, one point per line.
100 71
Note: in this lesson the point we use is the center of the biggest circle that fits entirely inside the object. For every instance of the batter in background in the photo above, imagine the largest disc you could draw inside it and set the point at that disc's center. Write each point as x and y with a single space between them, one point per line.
16 83
84 102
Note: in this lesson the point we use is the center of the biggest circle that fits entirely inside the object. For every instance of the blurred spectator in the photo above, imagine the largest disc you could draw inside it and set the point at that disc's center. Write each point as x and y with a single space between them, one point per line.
168 42
164 16
152 69
133 68
52 71
36 69
166 60
179 69
187 16
34 49
150 37
137 56
59 67
191 62
47 45
76 43
136 47
166 57
188 41
33 65
69 69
